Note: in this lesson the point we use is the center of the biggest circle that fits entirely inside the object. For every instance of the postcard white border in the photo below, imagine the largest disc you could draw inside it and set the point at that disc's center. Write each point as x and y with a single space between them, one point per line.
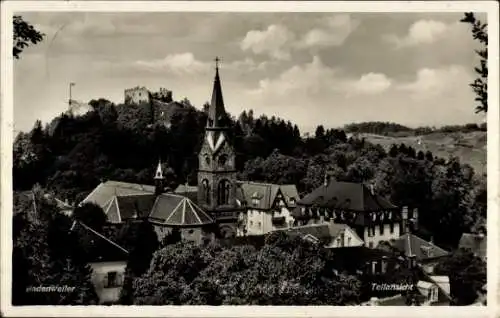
7 135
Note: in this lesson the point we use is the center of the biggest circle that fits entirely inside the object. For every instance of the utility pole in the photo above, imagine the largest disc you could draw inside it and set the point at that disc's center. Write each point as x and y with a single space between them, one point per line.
70 97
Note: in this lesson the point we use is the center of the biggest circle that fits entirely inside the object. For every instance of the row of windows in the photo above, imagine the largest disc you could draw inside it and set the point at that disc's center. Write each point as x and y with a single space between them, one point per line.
371 229
221 160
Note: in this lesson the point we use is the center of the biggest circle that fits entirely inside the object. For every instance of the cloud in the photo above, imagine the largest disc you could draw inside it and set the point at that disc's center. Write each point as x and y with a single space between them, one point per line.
183 63
371 83
429 83
333 31
277 40
421 32
309 78
316 78
273 41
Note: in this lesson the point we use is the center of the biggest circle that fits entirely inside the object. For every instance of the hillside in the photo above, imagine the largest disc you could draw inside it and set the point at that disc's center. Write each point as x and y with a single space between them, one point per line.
469 147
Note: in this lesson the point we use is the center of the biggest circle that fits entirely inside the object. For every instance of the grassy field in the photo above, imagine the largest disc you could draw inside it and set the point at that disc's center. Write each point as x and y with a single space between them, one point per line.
469 147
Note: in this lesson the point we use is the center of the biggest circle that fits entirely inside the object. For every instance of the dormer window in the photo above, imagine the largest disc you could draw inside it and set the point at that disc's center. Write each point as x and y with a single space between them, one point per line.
207 159
255 199
292 200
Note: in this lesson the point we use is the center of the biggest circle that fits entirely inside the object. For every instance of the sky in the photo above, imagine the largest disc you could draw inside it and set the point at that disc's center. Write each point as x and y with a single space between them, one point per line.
310 68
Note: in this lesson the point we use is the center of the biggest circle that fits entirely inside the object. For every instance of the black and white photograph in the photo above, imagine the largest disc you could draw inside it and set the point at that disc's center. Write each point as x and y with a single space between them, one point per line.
245 158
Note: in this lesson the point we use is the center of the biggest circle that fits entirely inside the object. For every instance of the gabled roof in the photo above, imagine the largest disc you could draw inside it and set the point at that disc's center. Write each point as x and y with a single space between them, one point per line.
176 210
346 196
105 191
410 245
476 243
96 247
266 194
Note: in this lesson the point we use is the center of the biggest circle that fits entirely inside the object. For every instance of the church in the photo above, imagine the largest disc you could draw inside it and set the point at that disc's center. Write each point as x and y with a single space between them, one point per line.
219 204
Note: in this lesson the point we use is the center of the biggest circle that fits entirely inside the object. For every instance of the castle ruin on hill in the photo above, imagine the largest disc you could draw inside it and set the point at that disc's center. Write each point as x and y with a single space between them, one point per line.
141 95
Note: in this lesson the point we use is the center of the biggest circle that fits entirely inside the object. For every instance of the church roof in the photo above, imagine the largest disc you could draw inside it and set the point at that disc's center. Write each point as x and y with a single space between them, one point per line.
190 192
346 196
266 194
177 210
121 208
412 245
105 191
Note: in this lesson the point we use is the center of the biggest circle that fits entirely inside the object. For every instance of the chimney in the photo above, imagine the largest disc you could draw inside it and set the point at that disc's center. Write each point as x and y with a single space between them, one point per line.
415 218
404 219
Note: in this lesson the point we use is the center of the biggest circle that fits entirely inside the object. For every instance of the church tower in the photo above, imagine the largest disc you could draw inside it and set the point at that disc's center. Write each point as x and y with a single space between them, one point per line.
217 172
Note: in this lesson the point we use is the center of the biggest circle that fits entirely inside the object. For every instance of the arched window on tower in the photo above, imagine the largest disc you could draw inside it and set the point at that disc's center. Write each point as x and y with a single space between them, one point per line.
223 192
206 191
222 160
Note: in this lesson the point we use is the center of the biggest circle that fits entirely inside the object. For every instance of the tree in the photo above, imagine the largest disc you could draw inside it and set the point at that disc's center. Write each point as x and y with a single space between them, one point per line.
24 34
91 215
45 253
286 271
480 84
467 276
141 241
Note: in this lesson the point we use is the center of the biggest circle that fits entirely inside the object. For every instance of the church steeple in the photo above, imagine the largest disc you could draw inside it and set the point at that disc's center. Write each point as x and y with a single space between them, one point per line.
216 111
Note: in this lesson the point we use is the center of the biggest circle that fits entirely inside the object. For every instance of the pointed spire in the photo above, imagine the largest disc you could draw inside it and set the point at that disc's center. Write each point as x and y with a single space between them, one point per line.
159 171
216 111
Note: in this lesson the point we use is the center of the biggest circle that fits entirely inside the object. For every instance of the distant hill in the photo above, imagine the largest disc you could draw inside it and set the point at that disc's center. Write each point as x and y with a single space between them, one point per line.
469 147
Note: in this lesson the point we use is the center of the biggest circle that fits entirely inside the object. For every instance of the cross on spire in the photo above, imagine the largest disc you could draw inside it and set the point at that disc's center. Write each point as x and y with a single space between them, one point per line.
217 60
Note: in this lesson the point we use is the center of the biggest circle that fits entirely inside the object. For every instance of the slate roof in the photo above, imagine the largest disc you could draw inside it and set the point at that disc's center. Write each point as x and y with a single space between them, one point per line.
266 193
190 192
476 243
176 210
105 191
96 247
121 208
410 244
346 196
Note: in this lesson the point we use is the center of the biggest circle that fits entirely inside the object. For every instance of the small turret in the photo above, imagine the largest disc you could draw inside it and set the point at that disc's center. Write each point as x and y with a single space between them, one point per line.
159 179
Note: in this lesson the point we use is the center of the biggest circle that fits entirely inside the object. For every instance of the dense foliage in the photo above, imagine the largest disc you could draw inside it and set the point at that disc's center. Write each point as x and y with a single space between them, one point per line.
46 253
393 129
285 271
467 276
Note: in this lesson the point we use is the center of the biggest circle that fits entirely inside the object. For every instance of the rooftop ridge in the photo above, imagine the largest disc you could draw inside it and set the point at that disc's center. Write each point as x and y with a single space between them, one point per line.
103 237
